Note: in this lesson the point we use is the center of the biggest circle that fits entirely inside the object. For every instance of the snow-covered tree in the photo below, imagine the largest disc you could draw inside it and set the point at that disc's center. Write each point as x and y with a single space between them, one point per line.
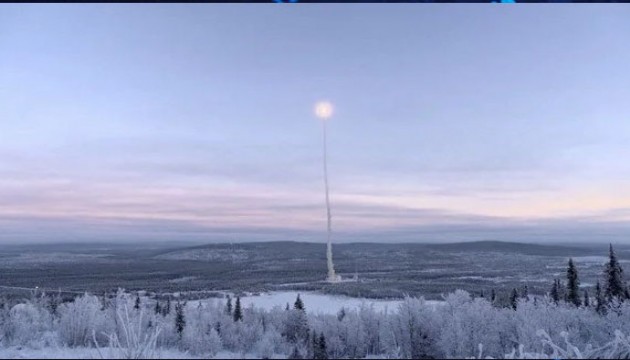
26 323
615 288
157 309
53 304
180 320
341 314
295 327
555 291
167 308
81 318
136 305
573 284
295 354
299 305
228 305
600 306
514 299
322 350
414 326
525 293
132 339
238 312
587 301
200 337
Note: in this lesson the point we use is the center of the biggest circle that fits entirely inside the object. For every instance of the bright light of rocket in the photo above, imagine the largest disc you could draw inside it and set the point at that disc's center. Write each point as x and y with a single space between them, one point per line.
323 110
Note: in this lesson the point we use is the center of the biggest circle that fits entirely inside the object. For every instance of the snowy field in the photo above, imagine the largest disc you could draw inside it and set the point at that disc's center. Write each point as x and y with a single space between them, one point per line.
594 259
317 303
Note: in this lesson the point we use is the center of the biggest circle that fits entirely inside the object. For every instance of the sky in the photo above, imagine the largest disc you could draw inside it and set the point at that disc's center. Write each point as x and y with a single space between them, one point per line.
194 122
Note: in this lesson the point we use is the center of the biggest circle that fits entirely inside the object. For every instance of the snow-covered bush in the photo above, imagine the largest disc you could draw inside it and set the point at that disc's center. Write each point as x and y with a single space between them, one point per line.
138 340
464 323
460 327
27 324
618 348
269 344
80 318
200 336
416 328
295 327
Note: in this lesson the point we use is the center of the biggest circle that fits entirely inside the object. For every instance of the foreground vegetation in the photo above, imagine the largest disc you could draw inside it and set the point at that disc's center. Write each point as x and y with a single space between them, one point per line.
462 327
563 324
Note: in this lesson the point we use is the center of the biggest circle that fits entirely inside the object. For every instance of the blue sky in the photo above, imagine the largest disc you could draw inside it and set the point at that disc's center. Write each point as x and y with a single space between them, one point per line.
195 122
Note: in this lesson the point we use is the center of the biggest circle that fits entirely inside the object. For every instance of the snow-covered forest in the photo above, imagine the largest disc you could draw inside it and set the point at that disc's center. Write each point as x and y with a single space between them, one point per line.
565 323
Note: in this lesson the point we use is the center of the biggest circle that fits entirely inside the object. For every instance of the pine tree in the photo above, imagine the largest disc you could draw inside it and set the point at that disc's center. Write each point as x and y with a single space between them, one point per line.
299 305
562 291
614 278
167 308
323 352
295 326
228 306
600 307
238 313
180 321
587 302
573 284
514 299
136 306
53 304
295 354
315 353
555 292
158 308
341 314
319 346
104 302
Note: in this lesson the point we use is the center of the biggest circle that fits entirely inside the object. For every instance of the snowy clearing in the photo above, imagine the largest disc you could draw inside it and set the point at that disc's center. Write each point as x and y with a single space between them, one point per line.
317 303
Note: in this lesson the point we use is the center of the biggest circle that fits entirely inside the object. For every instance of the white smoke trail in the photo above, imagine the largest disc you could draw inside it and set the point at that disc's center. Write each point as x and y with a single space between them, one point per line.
332 277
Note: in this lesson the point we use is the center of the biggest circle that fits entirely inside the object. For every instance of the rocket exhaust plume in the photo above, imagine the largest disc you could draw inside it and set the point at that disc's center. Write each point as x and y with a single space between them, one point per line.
324 110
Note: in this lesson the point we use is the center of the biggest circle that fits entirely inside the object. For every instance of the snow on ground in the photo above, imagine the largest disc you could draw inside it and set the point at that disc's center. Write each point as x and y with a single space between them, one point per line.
594 259
54 257
319 303
19 352
182 279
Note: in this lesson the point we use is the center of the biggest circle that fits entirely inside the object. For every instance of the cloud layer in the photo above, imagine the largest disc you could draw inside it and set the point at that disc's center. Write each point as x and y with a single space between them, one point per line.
195 122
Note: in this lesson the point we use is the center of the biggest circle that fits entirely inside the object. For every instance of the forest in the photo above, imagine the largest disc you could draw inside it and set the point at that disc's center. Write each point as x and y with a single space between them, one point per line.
567 322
